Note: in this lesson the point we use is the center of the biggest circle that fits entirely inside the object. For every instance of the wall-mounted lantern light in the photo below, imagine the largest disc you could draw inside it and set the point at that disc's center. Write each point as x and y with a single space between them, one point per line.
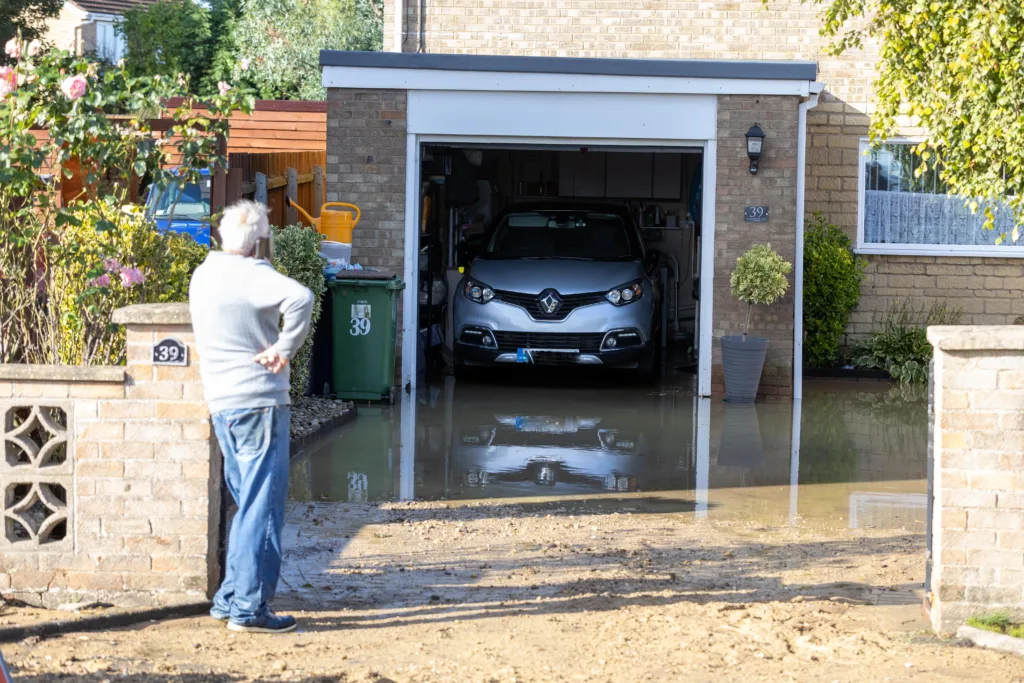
755 143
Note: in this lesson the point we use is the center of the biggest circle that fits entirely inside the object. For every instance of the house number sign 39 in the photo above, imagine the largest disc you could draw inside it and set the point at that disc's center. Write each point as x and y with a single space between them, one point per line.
170 352
755 214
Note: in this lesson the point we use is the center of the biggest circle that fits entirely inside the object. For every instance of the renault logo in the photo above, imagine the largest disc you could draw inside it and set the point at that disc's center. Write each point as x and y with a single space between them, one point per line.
550 302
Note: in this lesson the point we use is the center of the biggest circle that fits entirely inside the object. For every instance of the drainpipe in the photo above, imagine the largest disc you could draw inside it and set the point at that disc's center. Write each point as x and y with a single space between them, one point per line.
399 27
798 266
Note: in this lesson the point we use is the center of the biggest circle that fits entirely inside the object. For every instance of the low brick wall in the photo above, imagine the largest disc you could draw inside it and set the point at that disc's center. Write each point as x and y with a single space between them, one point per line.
977 444
110 478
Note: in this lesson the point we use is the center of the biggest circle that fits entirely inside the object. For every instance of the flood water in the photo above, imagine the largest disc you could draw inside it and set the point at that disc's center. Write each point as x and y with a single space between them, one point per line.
850 452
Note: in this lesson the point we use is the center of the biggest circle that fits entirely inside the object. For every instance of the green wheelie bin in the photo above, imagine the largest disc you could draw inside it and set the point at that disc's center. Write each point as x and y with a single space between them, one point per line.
364 318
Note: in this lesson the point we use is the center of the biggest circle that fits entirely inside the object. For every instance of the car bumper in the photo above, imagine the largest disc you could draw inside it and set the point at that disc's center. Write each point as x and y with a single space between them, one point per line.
621 358
523 340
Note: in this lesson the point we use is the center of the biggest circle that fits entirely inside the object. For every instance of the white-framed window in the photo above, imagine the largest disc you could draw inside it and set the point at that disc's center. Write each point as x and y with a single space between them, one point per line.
899 212
109 42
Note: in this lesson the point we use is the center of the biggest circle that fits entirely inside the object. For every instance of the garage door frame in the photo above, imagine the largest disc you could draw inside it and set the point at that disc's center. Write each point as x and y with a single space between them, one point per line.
410 302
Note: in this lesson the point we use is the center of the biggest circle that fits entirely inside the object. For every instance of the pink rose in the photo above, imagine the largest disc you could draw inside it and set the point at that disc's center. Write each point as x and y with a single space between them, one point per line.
244 64
131 277
13 48
101 281
223 88
34 47
74 87
8 81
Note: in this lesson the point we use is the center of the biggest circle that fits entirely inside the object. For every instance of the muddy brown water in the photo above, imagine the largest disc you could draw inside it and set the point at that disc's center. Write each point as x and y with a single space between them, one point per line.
851 452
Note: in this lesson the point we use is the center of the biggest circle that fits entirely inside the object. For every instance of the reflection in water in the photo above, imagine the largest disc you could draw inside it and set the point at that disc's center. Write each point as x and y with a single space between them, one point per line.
850 449
740 444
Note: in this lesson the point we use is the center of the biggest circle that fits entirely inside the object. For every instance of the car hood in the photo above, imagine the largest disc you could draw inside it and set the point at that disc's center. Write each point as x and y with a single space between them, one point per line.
567 276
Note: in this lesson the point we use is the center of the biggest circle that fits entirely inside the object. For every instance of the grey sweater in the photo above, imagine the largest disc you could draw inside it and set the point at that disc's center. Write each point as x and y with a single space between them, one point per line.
237 304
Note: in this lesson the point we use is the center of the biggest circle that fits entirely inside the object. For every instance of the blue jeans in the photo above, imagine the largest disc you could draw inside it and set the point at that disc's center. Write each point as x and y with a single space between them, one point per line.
255 444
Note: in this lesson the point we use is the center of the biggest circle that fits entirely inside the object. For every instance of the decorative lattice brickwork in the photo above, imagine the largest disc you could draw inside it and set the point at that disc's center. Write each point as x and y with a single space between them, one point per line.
36 475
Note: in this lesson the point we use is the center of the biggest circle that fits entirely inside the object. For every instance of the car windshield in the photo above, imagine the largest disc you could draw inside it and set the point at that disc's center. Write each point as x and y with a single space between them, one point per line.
193 202
585 235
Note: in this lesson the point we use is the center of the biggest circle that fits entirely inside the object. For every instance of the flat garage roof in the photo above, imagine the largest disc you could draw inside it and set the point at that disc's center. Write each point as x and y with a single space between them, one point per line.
671 68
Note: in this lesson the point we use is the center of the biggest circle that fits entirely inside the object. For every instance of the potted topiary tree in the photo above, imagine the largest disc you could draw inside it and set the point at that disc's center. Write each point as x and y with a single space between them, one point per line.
759 278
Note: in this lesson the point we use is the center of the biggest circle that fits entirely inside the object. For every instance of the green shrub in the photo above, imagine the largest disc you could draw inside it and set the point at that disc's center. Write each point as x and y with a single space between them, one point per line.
297 255
832 276
112 256
901 347
759 278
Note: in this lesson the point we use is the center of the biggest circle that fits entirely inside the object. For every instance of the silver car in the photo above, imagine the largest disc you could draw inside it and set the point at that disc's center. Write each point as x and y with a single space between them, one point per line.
560 284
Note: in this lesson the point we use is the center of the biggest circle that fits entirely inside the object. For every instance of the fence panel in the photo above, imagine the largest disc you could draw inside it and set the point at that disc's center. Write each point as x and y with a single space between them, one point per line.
265 179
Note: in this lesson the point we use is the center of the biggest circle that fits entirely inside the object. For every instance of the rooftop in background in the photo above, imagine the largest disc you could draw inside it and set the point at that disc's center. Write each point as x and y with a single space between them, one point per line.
671 68
109 6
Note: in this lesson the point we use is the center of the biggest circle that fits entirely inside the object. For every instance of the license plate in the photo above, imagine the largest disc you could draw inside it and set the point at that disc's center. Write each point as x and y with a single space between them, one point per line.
522 356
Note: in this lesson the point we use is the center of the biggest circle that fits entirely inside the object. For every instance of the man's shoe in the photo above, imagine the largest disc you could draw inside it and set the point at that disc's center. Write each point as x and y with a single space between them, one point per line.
268 623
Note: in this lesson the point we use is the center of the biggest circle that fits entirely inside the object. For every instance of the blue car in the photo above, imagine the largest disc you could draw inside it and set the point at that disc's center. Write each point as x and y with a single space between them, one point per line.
191 207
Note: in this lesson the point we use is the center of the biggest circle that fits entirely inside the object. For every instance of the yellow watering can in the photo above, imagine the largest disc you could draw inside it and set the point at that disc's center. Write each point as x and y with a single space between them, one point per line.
335 225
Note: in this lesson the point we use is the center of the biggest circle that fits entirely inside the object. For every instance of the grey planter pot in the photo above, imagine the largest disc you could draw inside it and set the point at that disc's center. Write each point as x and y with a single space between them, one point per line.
742 362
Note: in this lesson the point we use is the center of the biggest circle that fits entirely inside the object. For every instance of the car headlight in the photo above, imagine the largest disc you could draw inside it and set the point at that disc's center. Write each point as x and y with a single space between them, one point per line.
477 291
626 294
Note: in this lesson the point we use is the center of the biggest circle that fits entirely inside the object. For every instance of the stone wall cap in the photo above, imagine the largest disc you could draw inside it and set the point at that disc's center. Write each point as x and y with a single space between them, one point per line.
977 337
153 314
62 373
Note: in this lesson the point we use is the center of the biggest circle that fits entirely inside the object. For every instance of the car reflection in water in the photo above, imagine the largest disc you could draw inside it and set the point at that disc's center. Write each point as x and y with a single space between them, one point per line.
544 452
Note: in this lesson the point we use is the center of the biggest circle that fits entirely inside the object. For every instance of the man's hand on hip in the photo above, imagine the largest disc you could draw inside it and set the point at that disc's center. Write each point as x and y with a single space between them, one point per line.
271 360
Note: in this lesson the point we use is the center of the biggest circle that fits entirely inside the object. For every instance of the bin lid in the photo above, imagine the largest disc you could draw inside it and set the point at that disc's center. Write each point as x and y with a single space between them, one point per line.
365 275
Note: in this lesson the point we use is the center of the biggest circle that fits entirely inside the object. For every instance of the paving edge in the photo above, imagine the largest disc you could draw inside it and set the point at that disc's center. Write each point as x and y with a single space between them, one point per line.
300 442
994 641
99 622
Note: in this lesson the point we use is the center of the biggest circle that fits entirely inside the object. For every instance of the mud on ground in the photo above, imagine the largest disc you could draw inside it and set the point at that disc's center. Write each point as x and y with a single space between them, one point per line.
411 592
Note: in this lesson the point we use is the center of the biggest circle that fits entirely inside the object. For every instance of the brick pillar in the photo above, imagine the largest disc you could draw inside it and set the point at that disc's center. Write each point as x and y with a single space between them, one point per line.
773 186
977 443
111 480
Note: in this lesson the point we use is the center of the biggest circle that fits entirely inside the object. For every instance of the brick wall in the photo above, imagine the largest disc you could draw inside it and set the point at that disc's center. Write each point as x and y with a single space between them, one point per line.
978 449
774 186
124 456
366 167
988 290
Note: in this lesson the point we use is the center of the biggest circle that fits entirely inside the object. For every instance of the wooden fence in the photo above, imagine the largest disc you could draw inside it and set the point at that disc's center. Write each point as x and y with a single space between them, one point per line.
268 178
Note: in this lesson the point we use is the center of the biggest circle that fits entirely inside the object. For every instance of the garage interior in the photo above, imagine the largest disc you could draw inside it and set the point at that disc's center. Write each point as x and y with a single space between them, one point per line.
464 186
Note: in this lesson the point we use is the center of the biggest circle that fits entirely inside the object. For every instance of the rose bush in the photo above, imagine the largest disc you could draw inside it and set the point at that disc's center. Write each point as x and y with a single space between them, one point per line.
99 120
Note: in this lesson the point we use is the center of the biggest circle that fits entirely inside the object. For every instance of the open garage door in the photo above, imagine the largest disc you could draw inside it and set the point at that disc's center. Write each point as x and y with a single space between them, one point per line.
579 254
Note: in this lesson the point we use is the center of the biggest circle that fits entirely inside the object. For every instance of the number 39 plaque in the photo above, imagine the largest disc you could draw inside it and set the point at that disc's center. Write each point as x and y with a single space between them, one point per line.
170 352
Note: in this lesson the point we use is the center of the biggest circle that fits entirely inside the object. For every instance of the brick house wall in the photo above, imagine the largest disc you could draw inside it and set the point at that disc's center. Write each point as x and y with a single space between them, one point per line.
366 167
773 186
745 29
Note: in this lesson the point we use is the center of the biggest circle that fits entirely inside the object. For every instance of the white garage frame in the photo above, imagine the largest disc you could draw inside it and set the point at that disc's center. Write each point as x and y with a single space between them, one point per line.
410 296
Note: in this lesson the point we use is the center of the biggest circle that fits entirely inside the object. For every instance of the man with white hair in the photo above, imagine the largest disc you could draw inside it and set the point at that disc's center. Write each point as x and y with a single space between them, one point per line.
238 301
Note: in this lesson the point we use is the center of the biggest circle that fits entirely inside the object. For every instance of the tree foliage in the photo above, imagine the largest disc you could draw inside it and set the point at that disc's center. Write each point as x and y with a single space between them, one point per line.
956 68
278 42
168 38
26 18
101 122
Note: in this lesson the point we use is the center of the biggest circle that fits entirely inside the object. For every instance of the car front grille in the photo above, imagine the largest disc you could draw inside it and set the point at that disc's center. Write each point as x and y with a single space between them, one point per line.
510 342
531 302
